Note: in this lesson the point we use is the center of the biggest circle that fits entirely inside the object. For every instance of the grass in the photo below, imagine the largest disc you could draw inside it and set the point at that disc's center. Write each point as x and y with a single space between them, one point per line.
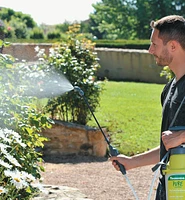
131 113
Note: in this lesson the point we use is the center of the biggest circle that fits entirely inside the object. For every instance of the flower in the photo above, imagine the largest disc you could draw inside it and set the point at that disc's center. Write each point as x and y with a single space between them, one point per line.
5 164
12 160
3 190
9 28
17 178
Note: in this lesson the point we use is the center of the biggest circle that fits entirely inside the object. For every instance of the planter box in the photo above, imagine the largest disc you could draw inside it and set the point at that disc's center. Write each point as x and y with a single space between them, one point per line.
69 138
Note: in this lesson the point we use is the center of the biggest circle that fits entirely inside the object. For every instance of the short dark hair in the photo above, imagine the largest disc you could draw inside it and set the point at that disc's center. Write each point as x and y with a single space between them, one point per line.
171 27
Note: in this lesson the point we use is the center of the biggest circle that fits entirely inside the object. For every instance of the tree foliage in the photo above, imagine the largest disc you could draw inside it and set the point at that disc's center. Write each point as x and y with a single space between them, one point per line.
113 19
17 24
129 19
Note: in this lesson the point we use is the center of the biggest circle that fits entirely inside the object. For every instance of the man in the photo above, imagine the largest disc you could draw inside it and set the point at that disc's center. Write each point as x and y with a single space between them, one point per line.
168 48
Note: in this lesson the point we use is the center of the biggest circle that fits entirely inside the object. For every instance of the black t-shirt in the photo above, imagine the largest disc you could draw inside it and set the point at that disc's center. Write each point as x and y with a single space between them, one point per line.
171 98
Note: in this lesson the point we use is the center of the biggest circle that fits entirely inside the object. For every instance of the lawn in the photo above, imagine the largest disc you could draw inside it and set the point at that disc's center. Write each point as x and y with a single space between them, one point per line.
131 113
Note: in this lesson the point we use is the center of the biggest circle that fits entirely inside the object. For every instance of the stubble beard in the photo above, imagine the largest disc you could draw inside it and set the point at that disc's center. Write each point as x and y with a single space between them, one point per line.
164 59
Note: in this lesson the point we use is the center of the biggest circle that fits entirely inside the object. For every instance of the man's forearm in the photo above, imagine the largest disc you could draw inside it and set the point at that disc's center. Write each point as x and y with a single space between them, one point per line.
147 158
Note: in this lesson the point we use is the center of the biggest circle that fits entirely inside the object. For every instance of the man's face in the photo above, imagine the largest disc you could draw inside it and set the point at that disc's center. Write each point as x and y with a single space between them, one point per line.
159 50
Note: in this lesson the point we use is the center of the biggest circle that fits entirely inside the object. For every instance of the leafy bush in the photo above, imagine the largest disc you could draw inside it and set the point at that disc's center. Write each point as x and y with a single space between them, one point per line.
167 73
37 33
20 27
77 60
10 33
125 44
20 127
53 35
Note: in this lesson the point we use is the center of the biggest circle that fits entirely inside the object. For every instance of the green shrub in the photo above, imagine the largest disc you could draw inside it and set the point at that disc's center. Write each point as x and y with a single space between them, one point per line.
125 44
20 27
10 33
37 33
20 127
53 35
79 63
167 73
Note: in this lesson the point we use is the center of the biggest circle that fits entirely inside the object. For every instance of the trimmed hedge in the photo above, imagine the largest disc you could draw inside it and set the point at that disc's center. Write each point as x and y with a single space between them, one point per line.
124 44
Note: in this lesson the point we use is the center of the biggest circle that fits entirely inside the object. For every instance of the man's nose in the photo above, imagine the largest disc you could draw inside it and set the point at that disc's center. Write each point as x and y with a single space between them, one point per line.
150 50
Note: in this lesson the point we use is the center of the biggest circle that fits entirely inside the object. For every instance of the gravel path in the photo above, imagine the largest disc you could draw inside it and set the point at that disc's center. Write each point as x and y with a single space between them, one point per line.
96 178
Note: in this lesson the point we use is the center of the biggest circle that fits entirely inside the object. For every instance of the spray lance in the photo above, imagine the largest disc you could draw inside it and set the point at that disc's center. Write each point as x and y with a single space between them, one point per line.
112 150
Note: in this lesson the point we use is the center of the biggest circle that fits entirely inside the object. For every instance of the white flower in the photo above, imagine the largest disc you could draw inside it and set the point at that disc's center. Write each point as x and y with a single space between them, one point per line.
40 187
19 183
40 52
19 141
16 178
3 148
8 173
27 176
12 160
10 135
5 164
41 59
3 190
37 49
51 52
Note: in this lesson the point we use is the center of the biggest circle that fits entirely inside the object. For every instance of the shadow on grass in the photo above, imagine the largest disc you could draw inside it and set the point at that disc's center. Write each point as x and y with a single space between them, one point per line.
73 159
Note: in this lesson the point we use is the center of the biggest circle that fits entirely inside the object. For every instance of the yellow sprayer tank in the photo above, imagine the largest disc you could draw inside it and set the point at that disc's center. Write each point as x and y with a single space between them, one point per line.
175 174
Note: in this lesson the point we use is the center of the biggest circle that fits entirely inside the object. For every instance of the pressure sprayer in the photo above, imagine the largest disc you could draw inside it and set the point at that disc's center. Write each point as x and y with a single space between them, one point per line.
112 150
174 170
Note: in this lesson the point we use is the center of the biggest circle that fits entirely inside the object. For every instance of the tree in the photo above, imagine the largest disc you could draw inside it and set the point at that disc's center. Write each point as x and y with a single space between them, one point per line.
129 19
63 27
30 23
161 8
142 27
20 27
148 10
113 19
17 22
6 14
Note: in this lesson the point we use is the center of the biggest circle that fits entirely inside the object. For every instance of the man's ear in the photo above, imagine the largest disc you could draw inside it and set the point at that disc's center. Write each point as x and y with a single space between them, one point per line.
173 45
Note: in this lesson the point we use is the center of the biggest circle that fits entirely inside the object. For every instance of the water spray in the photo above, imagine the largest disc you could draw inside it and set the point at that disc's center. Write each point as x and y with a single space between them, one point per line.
112 150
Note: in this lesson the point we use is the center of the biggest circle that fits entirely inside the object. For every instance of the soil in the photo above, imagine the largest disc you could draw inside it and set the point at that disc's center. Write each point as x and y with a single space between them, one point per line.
97 179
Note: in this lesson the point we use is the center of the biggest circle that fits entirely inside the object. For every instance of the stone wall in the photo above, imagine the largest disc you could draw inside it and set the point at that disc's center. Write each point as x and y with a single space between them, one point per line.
68 138
25 51
129 65
116 64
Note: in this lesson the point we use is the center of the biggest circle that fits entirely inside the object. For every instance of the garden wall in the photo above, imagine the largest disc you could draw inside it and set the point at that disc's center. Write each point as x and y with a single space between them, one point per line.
69 138
129 65
116 64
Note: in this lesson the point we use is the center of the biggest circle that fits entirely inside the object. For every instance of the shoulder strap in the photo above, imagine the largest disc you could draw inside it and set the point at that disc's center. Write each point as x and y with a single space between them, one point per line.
165 90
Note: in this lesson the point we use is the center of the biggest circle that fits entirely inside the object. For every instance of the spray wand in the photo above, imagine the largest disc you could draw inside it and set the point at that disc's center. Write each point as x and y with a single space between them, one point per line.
112 150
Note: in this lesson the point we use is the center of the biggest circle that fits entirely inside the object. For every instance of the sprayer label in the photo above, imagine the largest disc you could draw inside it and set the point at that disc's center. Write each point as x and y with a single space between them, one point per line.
176 187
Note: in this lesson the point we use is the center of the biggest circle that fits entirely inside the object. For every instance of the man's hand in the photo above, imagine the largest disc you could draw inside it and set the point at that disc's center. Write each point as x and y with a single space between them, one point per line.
173 139
122 159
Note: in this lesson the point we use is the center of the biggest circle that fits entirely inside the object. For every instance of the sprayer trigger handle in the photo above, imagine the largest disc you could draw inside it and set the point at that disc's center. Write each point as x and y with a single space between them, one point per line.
114 152
122 168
